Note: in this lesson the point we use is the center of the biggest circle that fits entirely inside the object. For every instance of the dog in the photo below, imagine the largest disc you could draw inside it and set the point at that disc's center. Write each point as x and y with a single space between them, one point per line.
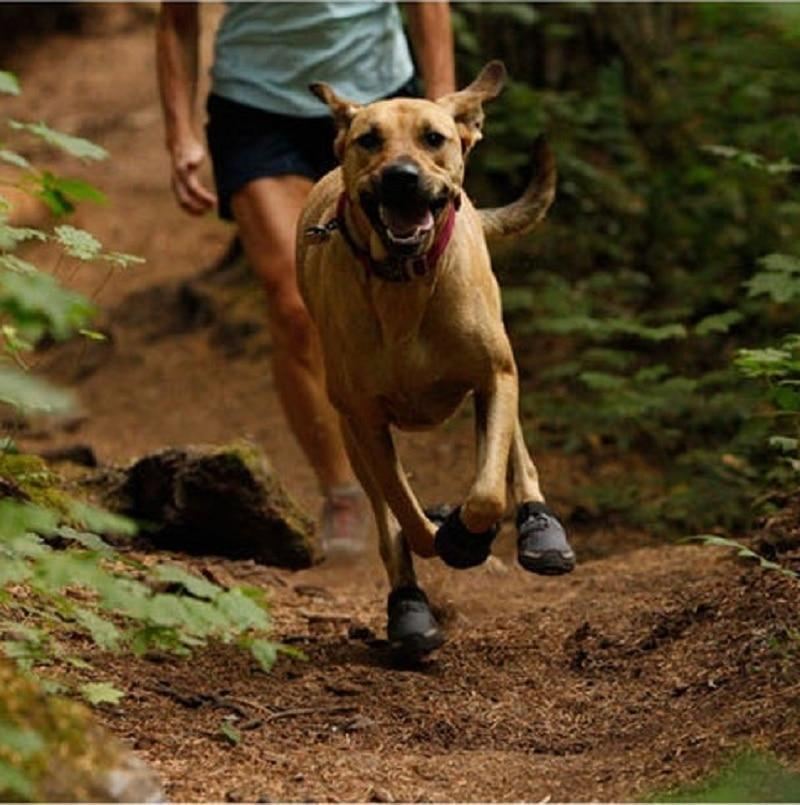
394 268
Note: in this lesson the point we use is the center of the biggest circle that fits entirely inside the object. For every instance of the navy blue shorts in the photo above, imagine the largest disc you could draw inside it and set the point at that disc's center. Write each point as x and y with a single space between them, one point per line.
246 143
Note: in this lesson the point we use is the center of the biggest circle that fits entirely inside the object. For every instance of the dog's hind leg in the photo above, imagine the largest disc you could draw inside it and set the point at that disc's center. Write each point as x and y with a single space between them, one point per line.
542 545
522 474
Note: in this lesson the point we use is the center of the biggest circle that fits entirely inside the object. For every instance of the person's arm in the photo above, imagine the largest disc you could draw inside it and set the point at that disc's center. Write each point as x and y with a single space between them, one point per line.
177 44
431 36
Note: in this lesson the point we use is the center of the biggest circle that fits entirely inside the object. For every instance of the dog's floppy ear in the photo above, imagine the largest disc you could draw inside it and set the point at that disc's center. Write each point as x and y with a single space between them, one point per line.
466 106
343 111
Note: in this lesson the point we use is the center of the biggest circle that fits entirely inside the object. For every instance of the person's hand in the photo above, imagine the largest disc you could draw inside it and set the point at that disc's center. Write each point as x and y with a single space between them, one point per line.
188 155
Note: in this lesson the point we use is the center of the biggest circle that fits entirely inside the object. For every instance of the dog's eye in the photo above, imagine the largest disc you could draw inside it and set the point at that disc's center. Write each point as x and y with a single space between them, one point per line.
370 141
433 139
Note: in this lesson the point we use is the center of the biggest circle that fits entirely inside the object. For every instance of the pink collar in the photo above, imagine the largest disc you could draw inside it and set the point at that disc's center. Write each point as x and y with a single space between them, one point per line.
397 269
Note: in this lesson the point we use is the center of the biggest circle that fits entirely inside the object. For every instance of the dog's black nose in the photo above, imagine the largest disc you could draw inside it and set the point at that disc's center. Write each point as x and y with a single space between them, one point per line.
399 180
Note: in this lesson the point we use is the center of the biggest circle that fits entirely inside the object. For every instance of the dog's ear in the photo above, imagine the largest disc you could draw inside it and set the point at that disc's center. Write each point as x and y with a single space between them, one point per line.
466 106
343 111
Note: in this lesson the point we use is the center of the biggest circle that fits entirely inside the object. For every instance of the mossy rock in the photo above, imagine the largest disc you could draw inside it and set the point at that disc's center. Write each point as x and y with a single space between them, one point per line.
220 500
52 750
28 478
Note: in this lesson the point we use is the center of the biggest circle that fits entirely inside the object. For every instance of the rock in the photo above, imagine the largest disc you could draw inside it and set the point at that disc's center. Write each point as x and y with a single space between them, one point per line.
224 500
58 753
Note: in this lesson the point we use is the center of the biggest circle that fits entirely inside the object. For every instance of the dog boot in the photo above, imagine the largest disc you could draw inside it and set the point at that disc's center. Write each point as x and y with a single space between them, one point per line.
345 521
458 547
412 630
542 546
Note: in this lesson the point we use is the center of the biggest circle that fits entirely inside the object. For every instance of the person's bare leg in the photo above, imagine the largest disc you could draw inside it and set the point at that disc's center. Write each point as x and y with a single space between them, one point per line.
266 213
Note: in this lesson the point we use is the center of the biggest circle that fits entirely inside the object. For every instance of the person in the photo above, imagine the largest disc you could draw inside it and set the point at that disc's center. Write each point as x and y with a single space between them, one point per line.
270 139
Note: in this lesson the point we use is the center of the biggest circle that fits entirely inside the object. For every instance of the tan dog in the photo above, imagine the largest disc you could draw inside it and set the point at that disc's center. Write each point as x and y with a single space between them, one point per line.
394 268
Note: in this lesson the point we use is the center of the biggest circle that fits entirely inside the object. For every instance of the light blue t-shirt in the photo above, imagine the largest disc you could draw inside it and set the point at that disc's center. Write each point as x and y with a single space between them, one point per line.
266 54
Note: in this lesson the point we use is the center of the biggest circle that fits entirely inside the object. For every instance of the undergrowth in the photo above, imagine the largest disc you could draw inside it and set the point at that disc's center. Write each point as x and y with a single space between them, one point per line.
654 312
59 577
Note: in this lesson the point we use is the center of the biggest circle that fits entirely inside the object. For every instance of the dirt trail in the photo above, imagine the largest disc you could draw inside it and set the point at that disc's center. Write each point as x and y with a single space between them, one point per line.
638 671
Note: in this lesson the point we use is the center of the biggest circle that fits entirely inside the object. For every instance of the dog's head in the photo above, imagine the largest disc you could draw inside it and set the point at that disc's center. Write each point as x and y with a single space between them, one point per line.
403 159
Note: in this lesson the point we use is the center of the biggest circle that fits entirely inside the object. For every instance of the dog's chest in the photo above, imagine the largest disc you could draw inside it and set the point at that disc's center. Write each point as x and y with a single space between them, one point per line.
414 386
422 407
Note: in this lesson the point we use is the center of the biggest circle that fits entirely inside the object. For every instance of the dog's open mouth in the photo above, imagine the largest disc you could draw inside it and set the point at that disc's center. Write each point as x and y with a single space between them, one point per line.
406 230
405 227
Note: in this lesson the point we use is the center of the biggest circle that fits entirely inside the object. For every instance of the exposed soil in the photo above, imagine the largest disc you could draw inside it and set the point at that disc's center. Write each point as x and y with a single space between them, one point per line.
640 670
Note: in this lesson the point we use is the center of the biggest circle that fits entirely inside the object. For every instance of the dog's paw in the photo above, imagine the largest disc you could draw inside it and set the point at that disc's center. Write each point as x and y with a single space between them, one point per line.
412 630
542 546
458 547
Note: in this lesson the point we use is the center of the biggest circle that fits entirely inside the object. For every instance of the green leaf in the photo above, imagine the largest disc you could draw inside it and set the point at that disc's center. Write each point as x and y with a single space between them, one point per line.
601 381
13 342
12 236
101 521
74 189
265 653
242 611
230 733
78 242
784 443
13 158
75 146
10 262
27 393
86 539
718 323
13 570
101 693
779 279
104 633
19 518
786 399
15 784
23 742
8 83
199 587
38 300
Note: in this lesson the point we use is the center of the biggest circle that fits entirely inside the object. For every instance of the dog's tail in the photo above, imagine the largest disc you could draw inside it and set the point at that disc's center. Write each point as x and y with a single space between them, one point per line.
523 214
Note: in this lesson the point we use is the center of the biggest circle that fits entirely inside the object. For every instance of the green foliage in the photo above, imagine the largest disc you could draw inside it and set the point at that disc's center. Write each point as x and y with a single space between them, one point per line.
630 306
743 552
101 693
8 83
74 146
115 601
750 777
57 573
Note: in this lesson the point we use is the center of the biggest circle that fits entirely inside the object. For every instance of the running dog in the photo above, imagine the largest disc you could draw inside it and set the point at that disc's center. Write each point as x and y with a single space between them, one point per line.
394 268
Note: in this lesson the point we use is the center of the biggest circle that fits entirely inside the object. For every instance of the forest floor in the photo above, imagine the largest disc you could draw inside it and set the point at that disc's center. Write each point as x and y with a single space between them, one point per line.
644 668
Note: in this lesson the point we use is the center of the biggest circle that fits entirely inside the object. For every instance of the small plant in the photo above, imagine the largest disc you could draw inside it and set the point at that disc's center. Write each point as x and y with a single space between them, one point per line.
743 552
57 574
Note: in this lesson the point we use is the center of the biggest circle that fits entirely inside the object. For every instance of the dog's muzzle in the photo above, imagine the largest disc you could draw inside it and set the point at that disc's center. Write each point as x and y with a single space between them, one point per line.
402 205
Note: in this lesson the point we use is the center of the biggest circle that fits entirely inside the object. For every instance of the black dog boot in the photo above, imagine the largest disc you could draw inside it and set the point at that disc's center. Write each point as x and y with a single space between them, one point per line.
542 546
458 547
412 631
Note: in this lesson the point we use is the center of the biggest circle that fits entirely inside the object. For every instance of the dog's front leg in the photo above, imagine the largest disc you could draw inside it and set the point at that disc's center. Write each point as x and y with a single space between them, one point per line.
377 451
495 420
393 548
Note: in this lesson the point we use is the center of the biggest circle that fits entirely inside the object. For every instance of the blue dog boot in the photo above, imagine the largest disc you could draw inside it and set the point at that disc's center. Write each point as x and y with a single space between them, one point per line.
542 546
458 547
412 631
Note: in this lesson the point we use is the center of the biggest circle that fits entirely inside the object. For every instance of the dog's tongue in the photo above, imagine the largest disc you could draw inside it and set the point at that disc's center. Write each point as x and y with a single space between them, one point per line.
404 223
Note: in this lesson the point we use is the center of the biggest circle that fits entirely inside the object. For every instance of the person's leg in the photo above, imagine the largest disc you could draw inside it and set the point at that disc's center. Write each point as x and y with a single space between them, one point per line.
266 213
